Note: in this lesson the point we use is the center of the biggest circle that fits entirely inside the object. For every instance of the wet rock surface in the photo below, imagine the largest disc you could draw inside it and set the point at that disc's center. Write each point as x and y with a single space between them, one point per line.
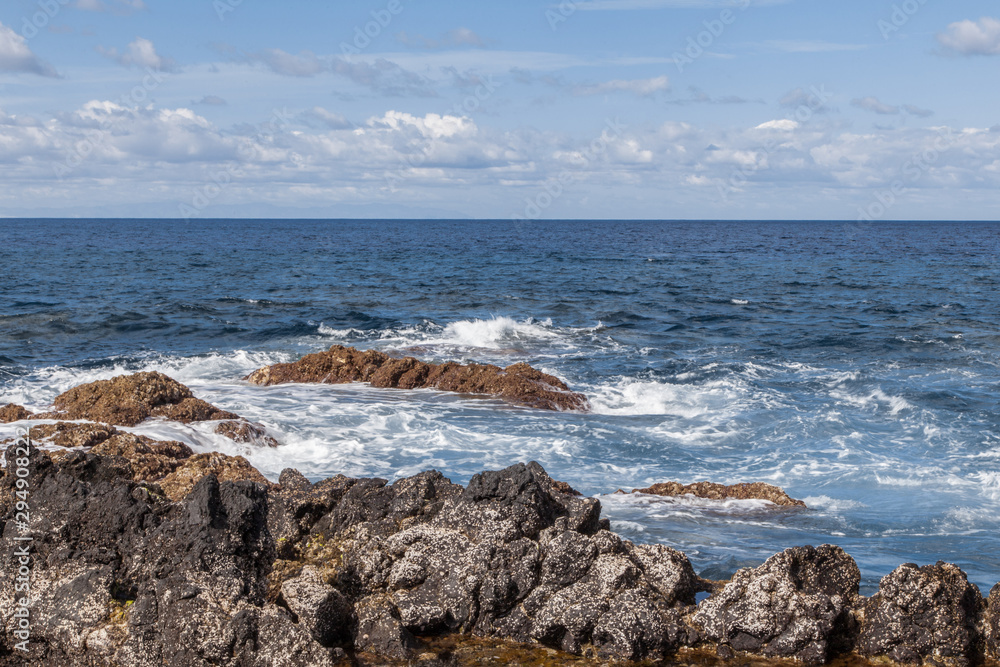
519 383
198 569
713 491
13 413
246 432
924 612
128 400
70 434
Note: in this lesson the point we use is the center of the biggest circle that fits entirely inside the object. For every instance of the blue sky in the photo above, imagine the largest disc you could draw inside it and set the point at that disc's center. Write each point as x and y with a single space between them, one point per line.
591 109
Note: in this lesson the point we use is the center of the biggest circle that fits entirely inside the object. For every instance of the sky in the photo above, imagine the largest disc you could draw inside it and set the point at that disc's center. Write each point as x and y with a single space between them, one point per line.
609 109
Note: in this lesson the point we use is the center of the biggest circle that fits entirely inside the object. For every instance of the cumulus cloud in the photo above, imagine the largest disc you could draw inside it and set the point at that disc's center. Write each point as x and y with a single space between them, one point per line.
640 87
15 56
874 105
970 38
785 125
452 39
139 53
317 157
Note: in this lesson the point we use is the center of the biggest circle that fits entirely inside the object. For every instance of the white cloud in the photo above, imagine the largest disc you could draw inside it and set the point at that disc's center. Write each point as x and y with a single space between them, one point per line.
15 56
640 87
316 157
873 104
980 37
785 125
139 53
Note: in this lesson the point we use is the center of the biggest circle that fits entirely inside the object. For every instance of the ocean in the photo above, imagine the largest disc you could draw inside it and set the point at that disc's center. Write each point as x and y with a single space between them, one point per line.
855 365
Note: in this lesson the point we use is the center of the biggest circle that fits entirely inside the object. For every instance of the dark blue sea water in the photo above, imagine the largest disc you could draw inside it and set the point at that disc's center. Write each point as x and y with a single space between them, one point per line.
856 366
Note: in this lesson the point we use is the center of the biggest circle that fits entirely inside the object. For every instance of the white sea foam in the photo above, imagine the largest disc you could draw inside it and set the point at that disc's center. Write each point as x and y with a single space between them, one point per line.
836 505
739 302
497 335
497 332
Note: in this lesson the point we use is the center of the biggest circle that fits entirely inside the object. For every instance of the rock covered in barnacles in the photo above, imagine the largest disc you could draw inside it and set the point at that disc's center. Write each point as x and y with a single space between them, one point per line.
921 613
796 605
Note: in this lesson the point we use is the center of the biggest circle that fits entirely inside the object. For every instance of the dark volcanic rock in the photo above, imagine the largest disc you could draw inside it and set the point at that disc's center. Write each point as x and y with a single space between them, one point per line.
249 573
13 413
991 622
795 605
128 400
712 491
509 556
519 383
923 612
320 608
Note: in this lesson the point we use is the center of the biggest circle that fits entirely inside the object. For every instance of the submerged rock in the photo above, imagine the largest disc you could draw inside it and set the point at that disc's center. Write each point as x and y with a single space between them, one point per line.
519 383
246 432
796 605
13 413
712 491
921 613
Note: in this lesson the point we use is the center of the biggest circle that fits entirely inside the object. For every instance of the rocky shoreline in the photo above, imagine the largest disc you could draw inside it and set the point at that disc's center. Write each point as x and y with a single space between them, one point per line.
145 553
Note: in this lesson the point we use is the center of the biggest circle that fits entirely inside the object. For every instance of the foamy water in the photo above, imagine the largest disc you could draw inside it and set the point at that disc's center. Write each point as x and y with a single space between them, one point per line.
863 383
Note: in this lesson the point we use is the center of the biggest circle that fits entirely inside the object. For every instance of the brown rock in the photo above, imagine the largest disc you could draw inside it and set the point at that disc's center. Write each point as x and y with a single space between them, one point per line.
69 434
151 460
191 410
13 413
712 491
179 483
128 400
519 383
243 431
563 487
